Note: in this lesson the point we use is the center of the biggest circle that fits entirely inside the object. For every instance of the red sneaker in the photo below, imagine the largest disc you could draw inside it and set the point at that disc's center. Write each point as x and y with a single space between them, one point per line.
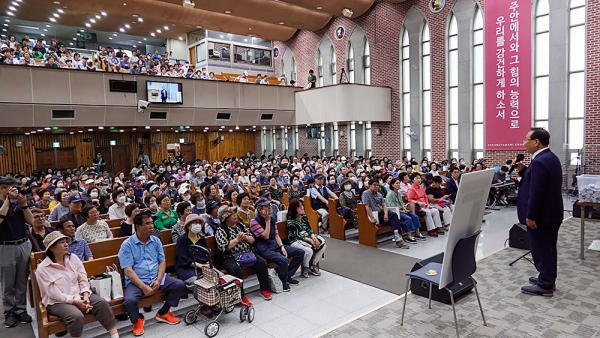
168 318
138 328
266 294
246 302
440 231
432 233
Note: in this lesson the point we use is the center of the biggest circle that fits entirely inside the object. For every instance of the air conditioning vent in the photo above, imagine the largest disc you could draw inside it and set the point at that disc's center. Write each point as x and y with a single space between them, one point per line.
266 117
224 116
63 114
158 115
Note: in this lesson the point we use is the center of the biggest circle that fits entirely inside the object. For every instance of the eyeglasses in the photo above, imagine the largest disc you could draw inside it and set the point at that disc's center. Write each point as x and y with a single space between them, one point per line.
39 217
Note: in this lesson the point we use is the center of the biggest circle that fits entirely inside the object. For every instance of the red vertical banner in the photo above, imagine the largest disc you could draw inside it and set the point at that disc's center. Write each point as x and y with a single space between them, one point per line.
507 28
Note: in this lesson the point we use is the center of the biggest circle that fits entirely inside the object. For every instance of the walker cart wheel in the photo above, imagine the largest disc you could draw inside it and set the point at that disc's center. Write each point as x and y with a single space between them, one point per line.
211 329
190 317
250 314
229 308
243 313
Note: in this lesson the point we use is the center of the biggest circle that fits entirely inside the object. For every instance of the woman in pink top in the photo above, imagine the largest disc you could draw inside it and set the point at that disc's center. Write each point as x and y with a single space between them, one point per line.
65 288
416 194
404 179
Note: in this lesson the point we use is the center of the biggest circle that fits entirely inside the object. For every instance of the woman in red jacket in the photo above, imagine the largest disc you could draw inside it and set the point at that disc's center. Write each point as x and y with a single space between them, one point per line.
416 194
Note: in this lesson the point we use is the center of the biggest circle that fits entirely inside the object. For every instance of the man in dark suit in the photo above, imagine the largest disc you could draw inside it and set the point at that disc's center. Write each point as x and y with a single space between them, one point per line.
452 183
163 95
540 206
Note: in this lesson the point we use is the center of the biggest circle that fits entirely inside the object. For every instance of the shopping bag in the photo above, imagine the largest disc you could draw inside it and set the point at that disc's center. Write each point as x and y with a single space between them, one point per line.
276 284
281 215
101 285
117 284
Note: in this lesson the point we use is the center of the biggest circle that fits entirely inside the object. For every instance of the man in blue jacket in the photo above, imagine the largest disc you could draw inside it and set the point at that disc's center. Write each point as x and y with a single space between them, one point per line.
540 206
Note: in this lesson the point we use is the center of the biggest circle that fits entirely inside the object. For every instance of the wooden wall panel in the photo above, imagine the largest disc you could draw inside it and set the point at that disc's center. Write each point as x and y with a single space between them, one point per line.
23 158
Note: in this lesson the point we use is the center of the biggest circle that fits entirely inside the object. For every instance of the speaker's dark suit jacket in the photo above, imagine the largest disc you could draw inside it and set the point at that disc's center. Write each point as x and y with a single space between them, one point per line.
540 195
452 188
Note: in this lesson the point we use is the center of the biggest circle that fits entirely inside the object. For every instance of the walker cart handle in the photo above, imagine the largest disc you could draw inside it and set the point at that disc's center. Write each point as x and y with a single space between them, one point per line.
194 248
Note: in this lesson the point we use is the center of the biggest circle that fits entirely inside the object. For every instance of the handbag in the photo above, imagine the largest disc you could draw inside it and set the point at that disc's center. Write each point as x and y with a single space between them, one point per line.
274 281
116 285
245 259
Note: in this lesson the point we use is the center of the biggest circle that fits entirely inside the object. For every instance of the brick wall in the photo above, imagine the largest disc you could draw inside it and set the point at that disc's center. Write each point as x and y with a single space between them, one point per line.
306 145
258 143
343 141
592 104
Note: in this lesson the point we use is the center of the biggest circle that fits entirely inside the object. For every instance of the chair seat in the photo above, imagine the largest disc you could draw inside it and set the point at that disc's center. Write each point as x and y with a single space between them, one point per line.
422 273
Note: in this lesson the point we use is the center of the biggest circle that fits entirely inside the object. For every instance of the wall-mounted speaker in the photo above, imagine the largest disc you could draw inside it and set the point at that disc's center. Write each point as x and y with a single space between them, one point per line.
87 140
147 135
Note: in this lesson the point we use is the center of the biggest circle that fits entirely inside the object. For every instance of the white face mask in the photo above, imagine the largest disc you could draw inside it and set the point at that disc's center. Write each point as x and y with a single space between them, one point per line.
154 206
295 182
121 199
332 182
348 187
186 198
94 194
201 204
196 228
253 179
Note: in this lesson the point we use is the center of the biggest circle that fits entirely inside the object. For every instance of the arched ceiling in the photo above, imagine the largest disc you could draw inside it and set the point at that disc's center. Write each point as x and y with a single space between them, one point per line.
268 19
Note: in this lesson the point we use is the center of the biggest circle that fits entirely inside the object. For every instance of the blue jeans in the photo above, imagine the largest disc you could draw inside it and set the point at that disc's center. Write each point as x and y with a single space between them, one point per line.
410 221
133 294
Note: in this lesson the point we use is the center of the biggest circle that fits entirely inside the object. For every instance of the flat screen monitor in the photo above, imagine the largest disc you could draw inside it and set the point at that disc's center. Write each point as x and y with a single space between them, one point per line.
164 92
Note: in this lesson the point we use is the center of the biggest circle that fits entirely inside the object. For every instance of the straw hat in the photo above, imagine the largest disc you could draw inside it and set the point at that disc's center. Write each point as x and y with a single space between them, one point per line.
52 238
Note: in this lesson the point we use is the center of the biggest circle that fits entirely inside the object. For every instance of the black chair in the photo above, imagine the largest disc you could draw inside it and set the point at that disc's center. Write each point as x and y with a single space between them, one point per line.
463 266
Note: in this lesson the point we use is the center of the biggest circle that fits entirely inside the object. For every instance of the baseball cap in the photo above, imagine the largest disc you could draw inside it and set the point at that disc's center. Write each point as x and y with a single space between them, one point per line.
89 181
153 187
75 198
265 193
261 202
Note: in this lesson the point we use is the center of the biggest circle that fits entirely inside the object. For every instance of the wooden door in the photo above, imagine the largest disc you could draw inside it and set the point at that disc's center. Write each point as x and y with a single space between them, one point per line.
106 156
66 158
188 151
193 57
44 159
121 159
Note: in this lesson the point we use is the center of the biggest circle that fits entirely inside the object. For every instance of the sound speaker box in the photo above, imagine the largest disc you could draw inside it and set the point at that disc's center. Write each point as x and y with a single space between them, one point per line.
517 237
421 288
146 135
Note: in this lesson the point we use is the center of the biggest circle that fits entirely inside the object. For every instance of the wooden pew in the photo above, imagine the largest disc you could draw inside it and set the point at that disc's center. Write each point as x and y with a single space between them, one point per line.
367 231
115 231
105 248
337 223
113 223
46 211
313 216
286 200
104 216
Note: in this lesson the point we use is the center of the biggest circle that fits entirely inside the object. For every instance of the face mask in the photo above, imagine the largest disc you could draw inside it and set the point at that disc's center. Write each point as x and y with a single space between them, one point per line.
222 178
353 179
300 210
201 204
121 199
348 187
172 184
332 182
196 228
154 206
94 194
253 179
462 162
186 198
296 182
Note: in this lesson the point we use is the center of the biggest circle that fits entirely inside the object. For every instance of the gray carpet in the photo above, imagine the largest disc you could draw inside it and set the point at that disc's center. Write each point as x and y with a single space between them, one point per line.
365 264
574 311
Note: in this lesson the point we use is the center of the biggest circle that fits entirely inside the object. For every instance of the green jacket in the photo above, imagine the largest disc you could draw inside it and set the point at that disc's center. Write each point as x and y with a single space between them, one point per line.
165 221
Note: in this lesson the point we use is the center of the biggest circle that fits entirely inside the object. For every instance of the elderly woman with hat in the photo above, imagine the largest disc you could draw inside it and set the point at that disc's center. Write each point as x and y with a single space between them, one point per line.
65 289
348 202
187 261
213 221
235 243
183 211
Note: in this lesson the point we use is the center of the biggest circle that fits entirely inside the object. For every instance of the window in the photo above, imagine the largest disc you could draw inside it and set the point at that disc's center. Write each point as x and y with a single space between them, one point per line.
201 52
252 56
319 68
367 63
478 133
296 140
322 143
452 79
542 59
368 135
333 65
405 81
284 141
426 89
282 70
336 140
294 69
352 139
576 95
274 140
350 66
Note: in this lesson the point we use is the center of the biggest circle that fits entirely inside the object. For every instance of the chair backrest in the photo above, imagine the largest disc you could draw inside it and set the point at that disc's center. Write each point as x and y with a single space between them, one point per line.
463 258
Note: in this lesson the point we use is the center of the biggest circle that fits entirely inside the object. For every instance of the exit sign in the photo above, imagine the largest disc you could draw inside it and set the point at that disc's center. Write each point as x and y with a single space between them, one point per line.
113 142
55 144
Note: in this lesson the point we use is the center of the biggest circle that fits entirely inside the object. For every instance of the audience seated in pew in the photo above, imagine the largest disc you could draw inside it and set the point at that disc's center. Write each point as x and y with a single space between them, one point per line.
94 229
276 193
416 194
74 213
452 183
38 230
439 201
410 221
212 222
318 199
166 217
65 289
295 190
348 203
77 246
143 260
301 236
60 209
245 211
268 244
378 213
183 210
117 210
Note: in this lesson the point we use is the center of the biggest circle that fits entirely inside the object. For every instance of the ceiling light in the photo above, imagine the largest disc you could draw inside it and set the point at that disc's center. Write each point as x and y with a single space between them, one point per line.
57 2
319 8
53 19
152 34
80 131
90 129
88 25
12 8
254 127
180 38
93 20
6 24
124 4
166 27
134 46
227 12
134 129
71 133
121 131
140 20
147 127
78 34
60 11
110 37
281 23
103 13
47 128
27 134
157 129
101 128
9 21
122 30
3 35
114 34
74 38
237 127
250 28
70 43
127 26
221 36
33 131
15 3
10 13
46 25
40 34
98 17
82 30
45 30
56 15
220 129
245 40
158 31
